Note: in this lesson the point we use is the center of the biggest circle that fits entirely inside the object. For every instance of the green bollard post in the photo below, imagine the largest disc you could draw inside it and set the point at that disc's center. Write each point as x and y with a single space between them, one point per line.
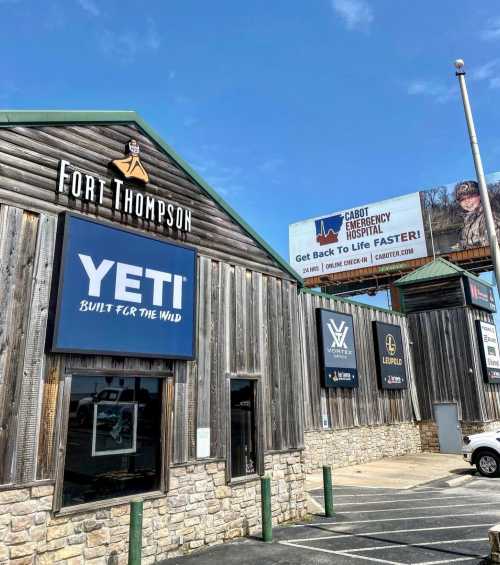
135 533
267 517
328 491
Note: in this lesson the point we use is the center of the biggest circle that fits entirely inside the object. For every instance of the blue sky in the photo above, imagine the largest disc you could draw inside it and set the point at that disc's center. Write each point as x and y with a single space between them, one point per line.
289 108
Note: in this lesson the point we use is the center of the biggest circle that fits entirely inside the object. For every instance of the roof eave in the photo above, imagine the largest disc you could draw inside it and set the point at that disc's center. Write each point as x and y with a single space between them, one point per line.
48 117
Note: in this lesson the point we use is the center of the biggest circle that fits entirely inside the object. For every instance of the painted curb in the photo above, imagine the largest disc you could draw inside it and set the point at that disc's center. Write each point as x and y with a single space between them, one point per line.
313 506
459 480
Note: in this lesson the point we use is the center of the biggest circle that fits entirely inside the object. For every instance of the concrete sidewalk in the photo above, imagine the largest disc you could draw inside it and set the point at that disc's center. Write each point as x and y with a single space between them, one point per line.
403 472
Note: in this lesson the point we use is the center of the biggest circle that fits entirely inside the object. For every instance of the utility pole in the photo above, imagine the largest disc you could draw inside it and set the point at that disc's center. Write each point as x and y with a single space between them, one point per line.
478 164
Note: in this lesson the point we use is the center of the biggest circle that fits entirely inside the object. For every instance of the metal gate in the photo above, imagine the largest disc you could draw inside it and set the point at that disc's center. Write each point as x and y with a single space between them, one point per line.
449 430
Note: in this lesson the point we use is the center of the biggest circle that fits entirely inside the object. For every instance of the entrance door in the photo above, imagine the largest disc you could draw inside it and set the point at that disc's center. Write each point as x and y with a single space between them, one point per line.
449 431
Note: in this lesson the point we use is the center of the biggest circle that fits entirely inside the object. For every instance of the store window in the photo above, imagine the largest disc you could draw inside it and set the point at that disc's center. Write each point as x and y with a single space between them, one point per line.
113 445
243 424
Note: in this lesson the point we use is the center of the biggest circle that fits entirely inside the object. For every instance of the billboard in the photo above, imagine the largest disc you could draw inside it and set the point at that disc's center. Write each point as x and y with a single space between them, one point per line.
490 356
337 349
122 293
376 234
440 220
391 366
453 215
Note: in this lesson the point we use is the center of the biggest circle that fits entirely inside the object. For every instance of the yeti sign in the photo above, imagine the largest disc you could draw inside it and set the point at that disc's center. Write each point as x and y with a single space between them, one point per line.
337 349
122 293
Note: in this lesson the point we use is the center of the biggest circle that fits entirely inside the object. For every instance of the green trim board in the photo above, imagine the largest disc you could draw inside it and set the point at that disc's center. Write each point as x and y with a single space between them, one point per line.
305 290
9 118
438 269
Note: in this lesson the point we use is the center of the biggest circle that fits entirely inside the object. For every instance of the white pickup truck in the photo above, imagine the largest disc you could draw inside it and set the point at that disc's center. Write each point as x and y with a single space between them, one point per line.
483 451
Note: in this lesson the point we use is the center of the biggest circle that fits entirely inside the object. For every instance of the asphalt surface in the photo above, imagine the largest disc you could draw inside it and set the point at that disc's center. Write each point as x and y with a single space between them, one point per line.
428 525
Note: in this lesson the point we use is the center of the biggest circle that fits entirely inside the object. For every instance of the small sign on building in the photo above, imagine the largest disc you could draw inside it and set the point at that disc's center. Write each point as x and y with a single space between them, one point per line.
479 294
389 352
337 349
490 355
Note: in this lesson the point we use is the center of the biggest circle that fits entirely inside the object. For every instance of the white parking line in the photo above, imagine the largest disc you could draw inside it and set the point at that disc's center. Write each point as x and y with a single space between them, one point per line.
476 497
322 524
344 553
421 545
384 532
419 508
382 493
444 561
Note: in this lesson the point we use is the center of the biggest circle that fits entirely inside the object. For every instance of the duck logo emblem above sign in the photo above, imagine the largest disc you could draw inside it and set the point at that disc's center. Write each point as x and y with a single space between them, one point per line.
131 166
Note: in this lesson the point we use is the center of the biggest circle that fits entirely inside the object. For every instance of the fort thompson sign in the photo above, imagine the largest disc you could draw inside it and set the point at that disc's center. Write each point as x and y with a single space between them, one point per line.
89 188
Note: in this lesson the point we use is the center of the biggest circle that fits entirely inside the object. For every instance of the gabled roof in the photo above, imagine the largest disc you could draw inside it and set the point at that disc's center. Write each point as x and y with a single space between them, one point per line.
10 118
437 269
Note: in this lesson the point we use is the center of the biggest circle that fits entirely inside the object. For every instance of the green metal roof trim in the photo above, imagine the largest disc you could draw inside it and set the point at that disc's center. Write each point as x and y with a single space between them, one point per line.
54 117
438 269
305 290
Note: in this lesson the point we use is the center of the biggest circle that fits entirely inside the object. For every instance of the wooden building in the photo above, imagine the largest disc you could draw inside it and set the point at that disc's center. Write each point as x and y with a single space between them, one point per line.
86 423
153 345
448 310
355 425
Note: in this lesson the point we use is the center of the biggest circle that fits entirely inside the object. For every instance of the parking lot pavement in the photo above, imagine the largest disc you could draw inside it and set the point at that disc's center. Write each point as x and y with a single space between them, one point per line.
427 525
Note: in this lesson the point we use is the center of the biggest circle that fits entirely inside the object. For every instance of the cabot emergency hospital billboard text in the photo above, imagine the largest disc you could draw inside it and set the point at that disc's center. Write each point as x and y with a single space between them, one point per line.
376 234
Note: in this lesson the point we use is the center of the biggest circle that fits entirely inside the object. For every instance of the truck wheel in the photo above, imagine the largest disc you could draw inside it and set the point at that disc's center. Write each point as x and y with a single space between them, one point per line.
488 464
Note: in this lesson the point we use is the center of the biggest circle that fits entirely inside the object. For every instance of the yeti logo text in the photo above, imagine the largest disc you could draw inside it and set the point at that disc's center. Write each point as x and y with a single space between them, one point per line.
128 281
339 334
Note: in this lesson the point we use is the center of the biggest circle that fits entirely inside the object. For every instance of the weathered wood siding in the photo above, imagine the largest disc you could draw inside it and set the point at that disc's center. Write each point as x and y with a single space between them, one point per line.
363 406
436 294
247 324
29 158
247 303
448 363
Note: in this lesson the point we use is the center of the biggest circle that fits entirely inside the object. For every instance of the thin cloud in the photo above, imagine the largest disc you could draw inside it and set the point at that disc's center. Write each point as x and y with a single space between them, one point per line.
492 30
489 72
90 7
153 38
271 165
434 90
125 46
356 14
485 71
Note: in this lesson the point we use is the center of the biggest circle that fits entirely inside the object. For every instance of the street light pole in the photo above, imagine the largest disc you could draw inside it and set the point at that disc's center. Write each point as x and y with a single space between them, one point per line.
478 164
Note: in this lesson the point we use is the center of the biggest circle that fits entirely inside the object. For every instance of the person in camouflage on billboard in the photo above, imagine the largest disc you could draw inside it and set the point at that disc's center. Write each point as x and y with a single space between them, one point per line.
474 232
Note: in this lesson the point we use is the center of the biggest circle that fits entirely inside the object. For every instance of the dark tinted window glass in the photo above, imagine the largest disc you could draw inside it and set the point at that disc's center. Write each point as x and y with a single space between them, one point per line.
114 438
243 445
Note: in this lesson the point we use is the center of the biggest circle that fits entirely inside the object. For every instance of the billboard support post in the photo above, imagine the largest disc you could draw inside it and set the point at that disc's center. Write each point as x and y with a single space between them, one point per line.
478 164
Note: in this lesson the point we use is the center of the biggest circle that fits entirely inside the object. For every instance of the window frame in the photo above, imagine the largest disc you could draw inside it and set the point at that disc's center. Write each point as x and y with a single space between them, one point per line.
259 438
167 389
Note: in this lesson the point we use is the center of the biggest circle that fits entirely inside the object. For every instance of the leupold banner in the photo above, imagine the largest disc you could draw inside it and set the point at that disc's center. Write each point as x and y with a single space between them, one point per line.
385 232
390 355
446 218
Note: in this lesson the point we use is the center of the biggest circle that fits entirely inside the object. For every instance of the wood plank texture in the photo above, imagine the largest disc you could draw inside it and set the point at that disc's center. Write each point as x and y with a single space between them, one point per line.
29 159
18 240
366 405
448 365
